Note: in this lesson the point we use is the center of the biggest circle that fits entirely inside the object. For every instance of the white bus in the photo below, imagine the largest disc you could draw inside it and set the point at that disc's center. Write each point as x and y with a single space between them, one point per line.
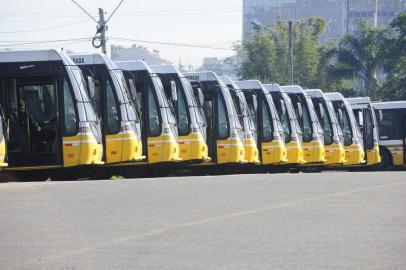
392 132
364 113
353 140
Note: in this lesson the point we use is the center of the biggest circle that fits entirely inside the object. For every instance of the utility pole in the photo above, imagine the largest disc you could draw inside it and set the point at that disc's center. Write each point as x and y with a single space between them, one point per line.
347 16
376 14
99 40
290 55
102 29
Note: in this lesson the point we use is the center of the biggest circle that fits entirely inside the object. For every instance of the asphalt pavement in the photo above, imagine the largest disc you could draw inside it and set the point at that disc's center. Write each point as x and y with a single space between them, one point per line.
335 220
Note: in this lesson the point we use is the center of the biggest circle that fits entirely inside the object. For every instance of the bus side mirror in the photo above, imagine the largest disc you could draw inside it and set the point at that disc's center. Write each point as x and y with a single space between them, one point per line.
174 91
283 107
340 116
91 86
299 109
360 119
255 103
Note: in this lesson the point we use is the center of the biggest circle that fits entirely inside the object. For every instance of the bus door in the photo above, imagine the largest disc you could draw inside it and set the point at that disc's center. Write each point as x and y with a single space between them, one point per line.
209 105
252 103
368 131
32 111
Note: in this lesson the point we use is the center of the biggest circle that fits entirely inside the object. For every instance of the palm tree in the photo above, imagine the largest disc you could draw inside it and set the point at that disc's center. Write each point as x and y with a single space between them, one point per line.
359 56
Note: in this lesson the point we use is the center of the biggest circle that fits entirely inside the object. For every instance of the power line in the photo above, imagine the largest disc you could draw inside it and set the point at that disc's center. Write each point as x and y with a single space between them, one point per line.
136 13
114 11
38 42
99 39
34 42
84 10
44 29
173 44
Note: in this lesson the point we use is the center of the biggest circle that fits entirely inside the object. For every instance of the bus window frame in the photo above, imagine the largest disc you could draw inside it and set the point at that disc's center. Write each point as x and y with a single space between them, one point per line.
75 104
220 97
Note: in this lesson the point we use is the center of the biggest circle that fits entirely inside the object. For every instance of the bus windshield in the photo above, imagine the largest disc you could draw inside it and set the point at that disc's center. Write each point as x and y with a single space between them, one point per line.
168 108
324 118
84 98
345 126
125 93
305 119
196 108
282 110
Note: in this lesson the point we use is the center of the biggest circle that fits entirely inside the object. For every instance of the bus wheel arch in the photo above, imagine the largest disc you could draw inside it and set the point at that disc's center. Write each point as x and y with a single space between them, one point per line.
386 157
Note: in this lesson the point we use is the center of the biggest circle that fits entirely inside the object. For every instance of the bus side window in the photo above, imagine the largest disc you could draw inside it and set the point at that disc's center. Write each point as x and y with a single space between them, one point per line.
182 115
70 117
267 125
369 131
388 127
306 126
153 116
112 111
223 129
346 129
96 99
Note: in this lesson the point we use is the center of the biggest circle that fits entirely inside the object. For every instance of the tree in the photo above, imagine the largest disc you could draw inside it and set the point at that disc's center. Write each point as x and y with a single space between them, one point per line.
266 56
394 87
307 52
359 56
259 58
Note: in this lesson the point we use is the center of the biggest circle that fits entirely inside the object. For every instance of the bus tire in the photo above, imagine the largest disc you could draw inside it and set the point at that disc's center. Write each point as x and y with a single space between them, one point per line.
386 160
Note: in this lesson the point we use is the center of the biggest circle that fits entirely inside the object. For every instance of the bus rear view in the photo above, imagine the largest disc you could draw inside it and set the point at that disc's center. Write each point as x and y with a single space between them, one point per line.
270 134
53 127
224 132
160 134
333 135
313 145
365 115
246 121
290 124
392 132
191 122
353 141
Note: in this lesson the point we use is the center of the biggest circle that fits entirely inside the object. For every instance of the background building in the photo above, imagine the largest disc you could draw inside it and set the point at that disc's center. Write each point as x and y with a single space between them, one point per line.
221 66
339 14
151 57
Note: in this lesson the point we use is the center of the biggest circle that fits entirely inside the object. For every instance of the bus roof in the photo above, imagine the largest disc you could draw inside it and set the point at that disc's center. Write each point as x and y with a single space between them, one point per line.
165 69
93 59
34 56
134 65
250 84
390 105
273 87
294 89
202 76
316 93
334 96
228 81
359 100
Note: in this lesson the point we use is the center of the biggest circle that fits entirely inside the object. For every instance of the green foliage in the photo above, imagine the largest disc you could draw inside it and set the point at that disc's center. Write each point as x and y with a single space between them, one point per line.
350 65
261 58
394 86
266 56
359 56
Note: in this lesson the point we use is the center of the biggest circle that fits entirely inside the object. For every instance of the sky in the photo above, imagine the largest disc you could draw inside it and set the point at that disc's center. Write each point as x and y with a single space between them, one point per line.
209 23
